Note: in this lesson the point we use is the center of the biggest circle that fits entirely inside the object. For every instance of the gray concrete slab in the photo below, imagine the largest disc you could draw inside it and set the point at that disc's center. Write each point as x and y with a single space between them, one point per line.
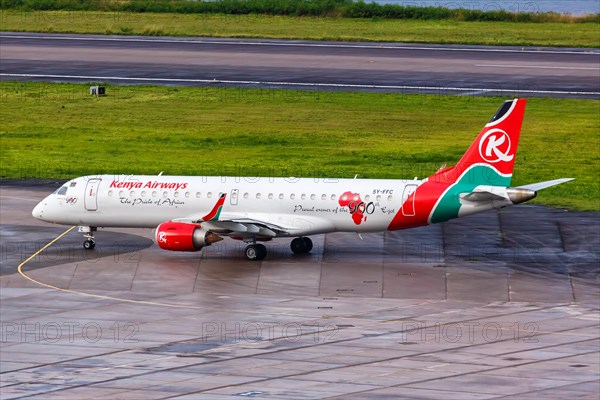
422 313
466 283
414 281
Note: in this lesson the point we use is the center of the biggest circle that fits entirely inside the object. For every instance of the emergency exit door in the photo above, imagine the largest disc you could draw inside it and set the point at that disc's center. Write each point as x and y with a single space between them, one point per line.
233 199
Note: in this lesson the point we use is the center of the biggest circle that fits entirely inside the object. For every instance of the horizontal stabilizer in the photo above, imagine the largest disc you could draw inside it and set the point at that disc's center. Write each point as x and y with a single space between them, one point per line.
543 185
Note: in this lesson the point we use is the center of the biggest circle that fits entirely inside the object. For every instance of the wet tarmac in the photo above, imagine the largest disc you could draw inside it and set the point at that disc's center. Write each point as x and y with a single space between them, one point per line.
494 305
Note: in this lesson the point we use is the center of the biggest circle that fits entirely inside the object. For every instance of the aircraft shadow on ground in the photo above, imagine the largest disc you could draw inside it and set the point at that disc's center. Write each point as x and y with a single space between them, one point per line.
21 241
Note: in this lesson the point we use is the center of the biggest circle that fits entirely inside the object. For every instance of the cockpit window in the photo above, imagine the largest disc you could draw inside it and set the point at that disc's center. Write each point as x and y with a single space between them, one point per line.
61 191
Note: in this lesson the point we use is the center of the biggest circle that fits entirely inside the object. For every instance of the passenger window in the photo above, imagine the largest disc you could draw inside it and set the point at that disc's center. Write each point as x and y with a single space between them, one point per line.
270 196
154 194
281 196
292 196
209 195
333 197
187 194
390 198
176 194
246 195
121 193
303 197
143 193
367 198
165 194
323 197
110 192
132 193
312 196
258 195
197 195
378 197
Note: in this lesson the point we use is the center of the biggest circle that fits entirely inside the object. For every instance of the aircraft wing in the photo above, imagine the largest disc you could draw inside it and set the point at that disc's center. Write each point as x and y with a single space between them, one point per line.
260 225
245 227
238 226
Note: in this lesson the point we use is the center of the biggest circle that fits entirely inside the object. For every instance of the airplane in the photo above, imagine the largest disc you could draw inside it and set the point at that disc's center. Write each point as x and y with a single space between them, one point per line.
192 212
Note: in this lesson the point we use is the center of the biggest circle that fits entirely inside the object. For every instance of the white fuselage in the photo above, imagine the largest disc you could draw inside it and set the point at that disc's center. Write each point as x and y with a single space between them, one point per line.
300 205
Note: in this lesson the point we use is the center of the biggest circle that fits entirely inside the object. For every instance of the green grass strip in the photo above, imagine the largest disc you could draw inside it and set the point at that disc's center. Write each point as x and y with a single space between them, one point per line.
314 28
321 8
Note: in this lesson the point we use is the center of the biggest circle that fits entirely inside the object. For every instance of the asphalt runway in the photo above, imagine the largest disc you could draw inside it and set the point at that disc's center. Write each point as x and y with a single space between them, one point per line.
385 67
490 306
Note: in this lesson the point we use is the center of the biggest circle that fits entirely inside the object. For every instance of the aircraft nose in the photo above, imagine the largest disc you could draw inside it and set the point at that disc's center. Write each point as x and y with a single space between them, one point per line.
38 211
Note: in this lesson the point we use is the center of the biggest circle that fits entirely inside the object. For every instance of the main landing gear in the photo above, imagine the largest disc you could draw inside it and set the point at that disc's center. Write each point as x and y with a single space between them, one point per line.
88 232
257 251
301 245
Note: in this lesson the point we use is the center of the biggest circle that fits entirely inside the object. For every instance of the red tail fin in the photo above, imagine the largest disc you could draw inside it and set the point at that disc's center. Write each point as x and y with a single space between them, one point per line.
495 147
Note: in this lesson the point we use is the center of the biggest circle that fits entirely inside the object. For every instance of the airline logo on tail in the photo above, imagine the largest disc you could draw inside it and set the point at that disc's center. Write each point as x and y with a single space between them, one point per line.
497 146
490 159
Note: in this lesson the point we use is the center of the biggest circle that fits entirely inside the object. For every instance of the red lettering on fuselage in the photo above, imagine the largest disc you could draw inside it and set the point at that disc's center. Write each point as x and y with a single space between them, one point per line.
148 185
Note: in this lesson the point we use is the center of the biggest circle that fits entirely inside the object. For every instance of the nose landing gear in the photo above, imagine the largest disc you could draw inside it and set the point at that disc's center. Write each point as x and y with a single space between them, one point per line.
88 232
89 244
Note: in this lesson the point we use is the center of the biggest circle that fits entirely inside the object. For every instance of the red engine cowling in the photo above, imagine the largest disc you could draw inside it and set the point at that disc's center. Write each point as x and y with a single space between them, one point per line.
180 236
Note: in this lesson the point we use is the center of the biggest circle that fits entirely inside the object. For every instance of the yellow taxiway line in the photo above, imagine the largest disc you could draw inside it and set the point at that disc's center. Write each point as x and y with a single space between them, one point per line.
152 303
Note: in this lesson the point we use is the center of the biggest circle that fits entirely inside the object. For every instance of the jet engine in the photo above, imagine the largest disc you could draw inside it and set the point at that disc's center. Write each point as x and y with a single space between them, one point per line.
181 236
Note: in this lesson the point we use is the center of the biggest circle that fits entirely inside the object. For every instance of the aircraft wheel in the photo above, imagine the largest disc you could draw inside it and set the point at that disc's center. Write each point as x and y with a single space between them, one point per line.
89 244
308 244
255 252
301 245
262 251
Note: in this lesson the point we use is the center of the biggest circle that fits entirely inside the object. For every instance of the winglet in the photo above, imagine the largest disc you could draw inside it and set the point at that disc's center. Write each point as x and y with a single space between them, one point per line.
213 215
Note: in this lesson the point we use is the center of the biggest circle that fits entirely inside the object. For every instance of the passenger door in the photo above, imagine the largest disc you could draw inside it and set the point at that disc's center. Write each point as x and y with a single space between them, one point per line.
91 194
408 209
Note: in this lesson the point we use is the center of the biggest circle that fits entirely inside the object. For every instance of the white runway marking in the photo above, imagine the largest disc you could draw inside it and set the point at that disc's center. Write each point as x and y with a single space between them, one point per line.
291 43
297 84
535 66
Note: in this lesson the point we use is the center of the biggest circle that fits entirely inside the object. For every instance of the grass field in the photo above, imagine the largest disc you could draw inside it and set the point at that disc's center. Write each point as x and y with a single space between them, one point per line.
59 131
318 28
